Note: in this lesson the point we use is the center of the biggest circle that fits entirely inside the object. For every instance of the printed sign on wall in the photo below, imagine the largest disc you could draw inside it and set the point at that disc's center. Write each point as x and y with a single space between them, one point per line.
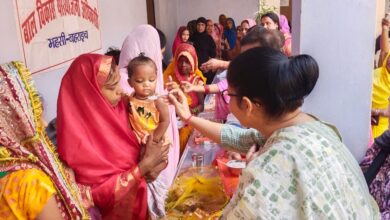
53 32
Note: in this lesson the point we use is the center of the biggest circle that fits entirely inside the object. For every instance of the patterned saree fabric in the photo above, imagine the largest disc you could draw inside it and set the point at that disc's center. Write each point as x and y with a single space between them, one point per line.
27 155
95 140
380 95
303 172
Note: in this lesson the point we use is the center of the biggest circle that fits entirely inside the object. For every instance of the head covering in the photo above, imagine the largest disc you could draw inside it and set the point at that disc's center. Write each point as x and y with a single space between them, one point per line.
143 39
23 142
380 95
191 25
196 75
283 23
231 34
217 37
94 138
251 22
201 20
178 39
212 34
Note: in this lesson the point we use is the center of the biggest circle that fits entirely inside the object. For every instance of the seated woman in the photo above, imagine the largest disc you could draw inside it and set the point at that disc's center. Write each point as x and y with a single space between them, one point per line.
270 21
96 141
302 169
34 184
184 67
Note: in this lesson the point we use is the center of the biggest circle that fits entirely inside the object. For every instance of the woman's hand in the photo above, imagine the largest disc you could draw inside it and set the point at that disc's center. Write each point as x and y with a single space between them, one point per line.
252 154
153 174
178 99
212 64
186 86
233 155
171 85
155 154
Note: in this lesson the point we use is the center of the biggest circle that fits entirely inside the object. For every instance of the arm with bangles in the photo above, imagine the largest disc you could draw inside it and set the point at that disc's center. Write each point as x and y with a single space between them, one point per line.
207 89
230 137
196 110
214 65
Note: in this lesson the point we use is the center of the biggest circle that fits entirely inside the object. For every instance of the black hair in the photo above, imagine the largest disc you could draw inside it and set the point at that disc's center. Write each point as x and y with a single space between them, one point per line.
162 37
114 53
201 20
191 26
268 77
264 37
274 17
138 61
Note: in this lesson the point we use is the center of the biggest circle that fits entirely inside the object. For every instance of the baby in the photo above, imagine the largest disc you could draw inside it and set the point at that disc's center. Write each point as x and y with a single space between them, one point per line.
148 113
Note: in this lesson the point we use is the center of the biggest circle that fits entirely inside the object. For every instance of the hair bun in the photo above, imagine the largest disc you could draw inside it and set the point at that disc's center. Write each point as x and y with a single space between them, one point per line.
142 54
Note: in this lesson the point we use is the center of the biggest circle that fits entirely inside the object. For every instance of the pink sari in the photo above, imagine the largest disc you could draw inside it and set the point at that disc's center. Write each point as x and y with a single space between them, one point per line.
95 140
178 40
144 38
251 22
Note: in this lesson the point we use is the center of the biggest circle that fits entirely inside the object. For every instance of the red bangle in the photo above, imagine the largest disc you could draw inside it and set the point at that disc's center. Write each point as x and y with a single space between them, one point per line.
206 89
187 120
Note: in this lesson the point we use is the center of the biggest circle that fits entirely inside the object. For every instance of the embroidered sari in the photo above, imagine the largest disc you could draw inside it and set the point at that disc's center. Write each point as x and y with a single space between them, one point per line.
96 141
31 172
144 38
380 95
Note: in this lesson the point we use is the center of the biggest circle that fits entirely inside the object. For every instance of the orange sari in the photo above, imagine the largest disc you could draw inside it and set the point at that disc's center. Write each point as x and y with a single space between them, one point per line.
196 77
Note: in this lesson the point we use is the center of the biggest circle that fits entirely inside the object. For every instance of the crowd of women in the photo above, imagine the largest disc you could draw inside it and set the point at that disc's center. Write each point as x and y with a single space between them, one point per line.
118 142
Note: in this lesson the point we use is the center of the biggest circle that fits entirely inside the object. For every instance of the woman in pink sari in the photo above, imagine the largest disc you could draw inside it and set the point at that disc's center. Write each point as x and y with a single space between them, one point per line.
144 38
95 139
271 21
182 36
215 31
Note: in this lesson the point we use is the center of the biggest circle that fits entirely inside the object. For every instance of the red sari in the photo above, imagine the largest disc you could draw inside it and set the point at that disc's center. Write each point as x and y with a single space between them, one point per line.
95 140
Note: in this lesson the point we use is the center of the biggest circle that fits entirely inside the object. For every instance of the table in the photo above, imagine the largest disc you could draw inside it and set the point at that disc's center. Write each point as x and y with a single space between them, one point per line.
197 192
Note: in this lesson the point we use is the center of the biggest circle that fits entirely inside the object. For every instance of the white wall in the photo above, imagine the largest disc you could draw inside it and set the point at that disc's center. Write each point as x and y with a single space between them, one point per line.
170 14
116 19
340 36
166 12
